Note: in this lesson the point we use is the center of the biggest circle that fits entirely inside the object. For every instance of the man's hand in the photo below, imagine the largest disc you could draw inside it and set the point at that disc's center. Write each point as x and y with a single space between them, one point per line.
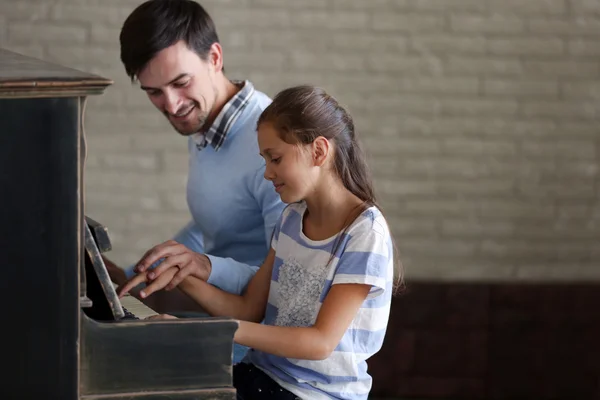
174 255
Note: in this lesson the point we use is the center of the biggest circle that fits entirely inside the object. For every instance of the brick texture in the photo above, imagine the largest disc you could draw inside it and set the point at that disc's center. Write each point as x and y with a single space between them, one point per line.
480 118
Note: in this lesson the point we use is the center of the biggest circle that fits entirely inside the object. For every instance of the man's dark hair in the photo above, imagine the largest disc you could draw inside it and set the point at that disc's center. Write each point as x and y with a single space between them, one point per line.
157 24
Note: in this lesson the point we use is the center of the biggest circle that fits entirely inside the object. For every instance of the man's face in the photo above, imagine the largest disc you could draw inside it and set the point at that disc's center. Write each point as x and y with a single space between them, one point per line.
181 85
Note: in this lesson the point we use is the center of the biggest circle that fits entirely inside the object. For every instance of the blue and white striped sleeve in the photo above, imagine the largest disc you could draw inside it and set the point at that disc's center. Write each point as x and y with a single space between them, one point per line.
277 229
367 258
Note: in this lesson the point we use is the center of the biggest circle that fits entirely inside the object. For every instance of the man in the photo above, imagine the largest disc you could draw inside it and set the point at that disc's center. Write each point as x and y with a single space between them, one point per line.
171 47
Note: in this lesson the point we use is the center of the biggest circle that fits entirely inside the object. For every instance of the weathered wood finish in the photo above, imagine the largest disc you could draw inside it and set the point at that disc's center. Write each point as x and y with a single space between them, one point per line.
208 394
39 231
54 350
100 234
127 357
22 76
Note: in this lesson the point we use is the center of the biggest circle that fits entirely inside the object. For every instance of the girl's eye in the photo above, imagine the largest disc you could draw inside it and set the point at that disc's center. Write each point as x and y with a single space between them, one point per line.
276 160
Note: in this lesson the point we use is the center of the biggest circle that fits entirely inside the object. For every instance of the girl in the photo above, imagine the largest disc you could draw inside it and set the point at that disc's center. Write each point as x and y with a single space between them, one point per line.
325 288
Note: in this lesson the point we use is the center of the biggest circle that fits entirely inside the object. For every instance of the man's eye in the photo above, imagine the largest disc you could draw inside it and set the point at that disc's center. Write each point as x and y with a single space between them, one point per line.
181 84
153 93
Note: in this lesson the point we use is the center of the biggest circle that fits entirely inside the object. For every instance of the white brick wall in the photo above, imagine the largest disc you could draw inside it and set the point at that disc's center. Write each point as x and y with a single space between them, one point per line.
480 118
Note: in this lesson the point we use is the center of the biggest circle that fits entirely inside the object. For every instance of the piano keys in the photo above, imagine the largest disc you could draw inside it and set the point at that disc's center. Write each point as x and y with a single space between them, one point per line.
136 307
63 332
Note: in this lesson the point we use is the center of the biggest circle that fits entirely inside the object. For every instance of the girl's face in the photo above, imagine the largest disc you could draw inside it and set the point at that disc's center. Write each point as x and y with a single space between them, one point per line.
290 167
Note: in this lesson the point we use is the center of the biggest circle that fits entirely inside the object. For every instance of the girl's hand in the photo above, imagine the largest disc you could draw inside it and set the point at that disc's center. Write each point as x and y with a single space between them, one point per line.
153 285
161 316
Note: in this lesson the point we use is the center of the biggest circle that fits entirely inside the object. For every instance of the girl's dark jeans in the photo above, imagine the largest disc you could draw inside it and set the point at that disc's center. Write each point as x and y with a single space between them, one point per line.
251 383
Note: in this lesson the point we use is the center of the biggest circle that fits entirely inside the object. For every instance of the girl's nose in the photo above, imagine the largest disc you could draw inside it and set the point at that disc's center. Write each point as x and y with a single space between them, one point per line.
269 175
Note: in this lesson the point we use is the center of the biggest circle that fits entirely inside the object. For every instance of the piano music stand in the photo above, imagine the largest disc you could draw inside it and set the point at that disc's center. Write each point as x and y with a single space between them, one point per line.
100 277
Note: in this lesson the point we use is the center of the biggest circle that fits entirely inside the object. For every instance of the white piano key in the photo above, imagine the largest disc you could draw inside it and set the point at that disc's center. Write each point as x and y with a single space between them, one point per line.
136 307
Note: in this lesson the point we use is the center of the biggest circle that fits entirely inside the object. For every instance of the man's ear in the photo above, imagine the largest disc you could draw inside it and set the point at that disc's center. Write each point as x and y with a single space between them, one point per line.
321 149
215 57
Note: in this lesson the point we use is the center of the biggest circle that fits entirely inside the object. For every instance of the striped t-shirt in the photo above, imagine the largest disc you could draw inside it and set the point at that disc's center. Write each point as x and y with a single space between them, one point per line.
302 276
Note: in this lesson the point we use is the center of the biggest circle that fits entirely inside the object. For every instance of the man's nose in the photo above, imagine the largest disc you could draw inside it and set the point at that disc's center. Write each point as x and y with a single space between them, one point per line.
172 102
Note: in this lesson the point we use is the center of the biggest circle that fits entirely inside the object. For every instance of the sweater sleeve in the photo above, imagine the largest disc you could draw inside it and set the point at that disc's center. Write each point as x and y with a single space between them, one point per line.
233 276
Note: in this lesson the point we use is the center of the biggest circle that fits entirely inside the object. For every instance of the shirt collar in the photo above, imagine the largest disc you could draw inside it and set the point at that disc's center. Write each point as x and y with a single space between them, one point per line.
217 133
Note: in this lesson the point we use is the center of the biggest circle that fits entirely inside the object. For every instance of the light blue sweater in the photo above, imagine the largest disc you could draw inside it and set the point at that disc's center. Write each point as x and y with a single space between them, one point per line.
234 209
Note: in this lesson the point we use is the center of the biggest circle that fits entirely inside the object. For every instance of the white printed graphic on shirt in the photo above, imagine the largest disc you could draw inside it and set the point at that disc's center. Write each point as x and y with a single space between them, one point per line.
300 289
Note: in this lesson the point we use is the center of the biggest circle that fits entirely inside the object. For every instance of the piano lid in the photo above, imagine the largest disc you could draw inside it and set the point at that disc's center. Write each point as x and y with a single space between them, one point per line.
22 76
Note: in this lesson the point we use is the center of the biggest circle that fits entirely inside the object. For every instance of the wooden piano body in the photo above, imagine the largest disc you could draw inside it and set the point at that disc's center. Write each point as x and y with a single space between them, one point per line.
53 348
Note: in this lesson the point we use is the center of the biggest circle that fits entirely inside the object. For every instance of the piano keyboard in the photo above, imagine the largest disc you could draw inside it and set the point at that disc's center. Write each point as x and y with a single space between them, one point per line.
136 307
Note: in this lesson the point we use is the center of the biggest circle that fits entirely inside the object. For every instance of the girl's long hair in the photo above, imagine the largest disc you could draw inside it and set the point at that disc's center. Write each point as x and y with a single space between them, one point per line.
301 114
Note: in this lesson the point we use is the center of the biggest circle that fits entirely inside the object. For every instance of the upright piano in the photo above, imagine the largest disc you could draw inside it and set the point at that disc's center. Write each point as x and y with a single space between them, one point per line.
66 335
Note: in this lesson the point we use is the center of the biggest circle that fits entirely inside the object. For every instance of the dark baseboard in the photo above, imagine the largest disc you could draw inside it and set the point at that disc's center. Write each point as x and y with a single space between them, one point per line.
491 341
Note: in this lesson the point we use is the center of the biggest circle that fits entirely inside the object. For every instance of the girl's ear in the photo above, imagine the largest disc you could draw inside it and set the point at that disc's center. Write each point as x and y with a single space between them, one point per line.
321 149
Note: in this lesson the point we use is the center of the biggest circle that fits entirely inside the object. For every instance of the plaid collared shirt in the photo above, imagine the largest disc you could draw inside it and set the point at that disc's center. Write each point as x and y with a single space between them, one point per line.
217 133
